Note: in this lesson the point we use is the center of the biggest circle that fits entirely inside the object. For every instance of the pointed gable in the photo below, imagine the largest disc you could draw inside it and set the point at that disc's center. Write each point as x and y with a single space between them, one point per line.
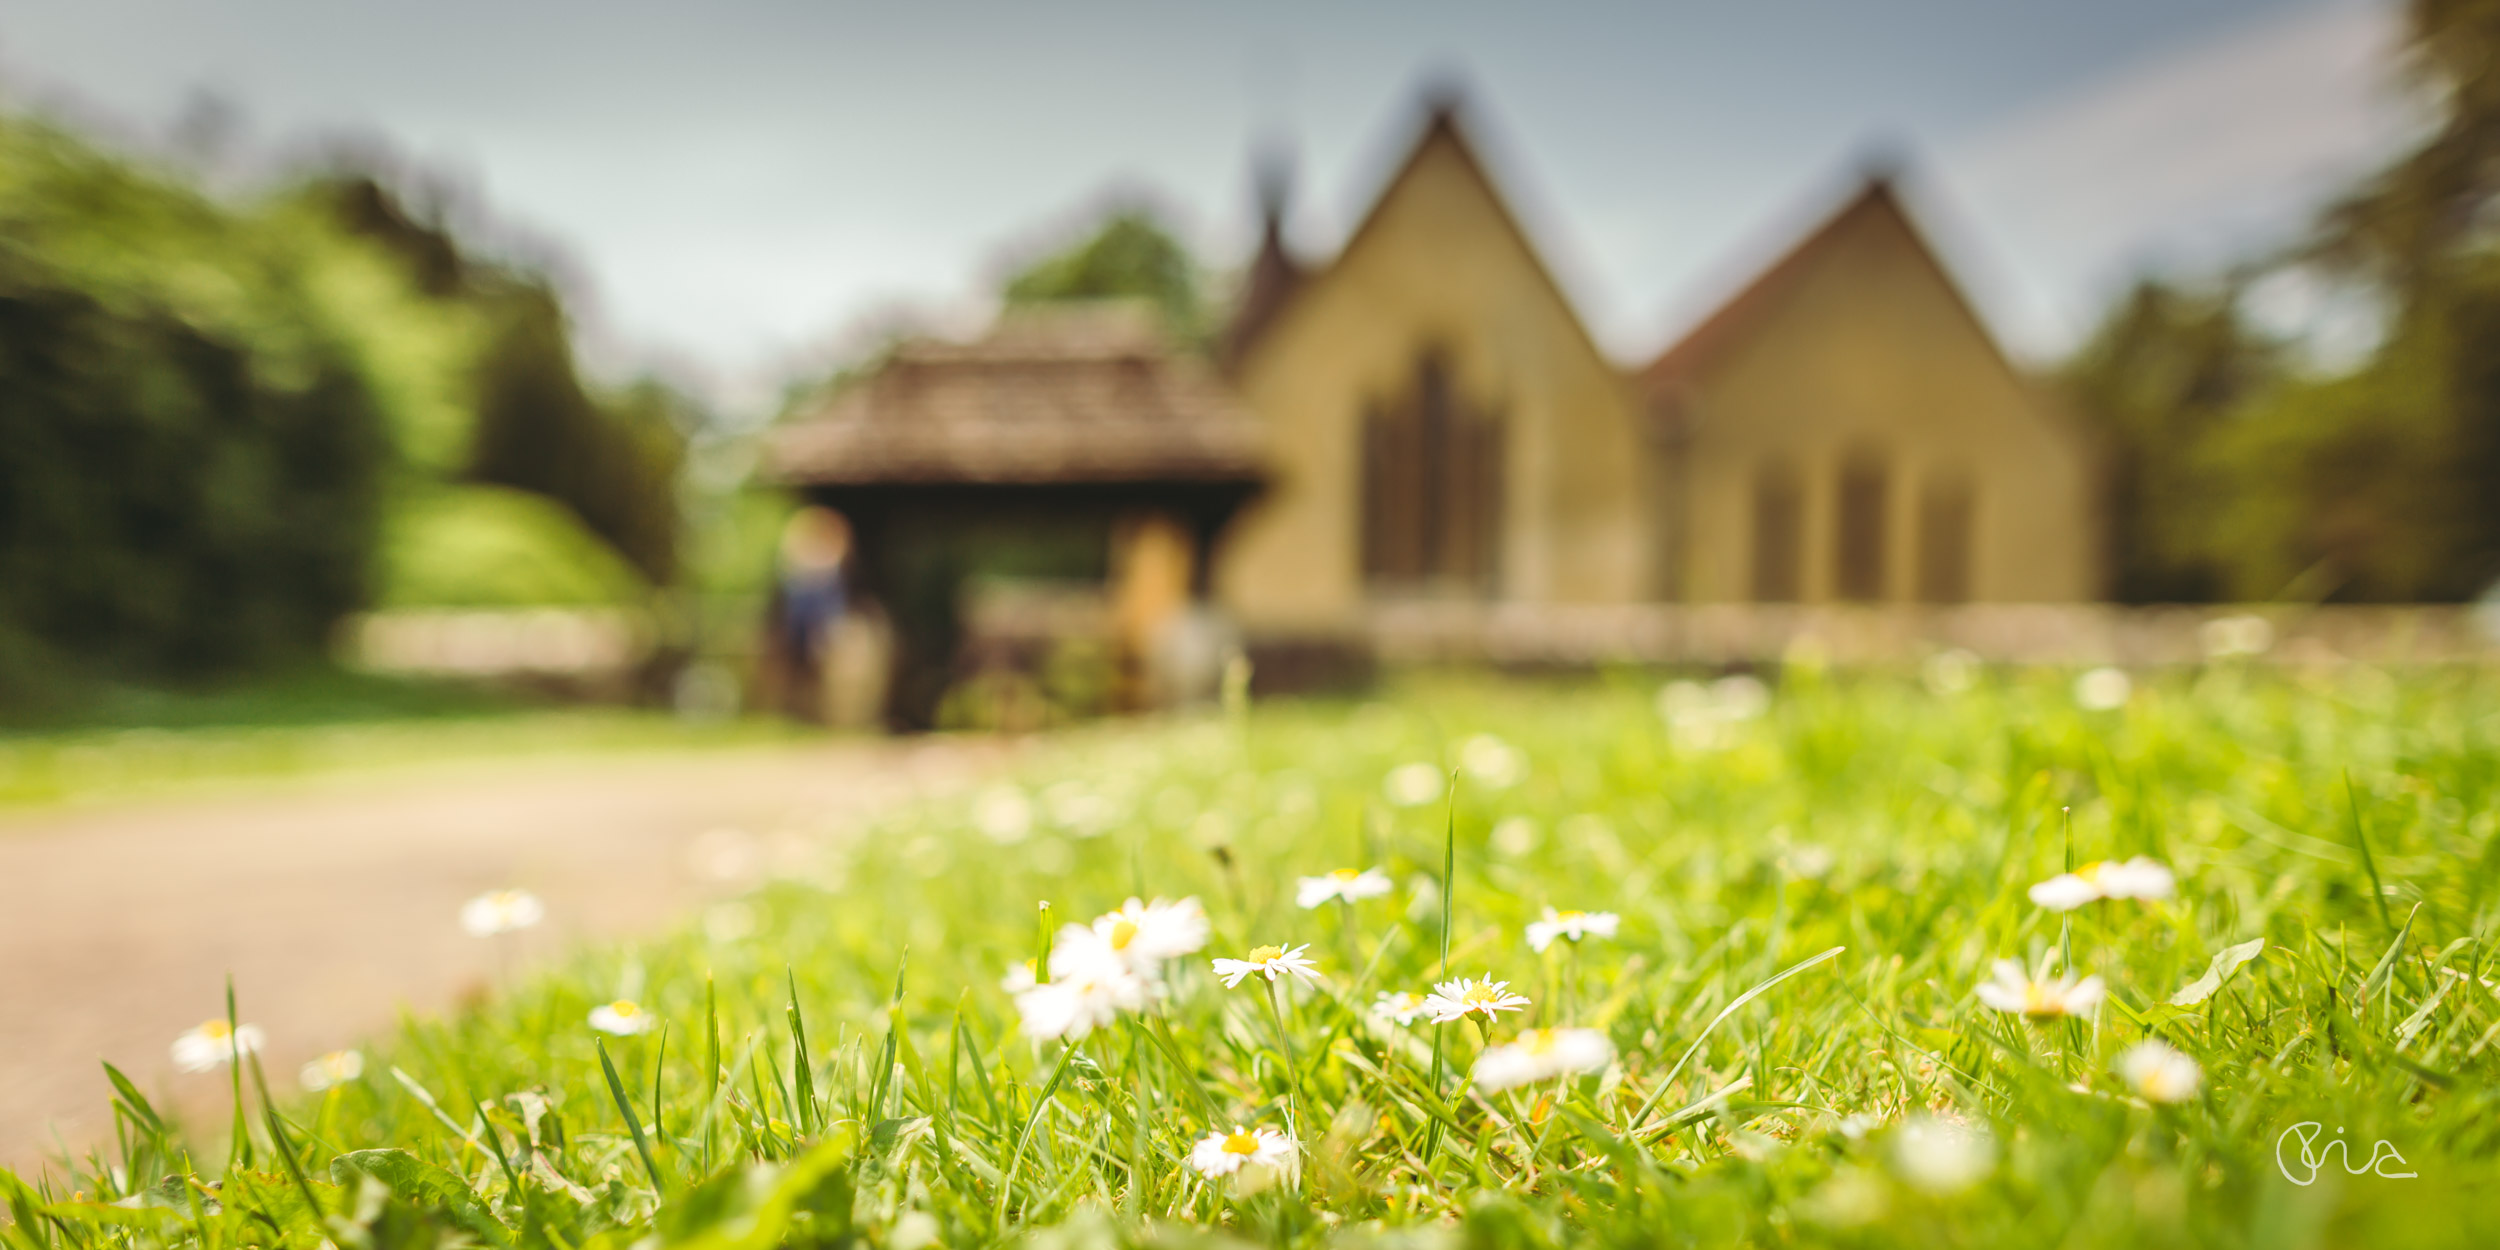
1445 180
1446 425
1848 431
1874 215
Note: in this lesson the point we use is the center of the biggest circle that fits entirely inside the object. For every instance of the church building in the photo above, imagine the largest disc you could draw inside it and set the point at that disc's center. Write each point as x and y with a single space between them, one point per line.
1844 430
1441 424
1444 428
1421 425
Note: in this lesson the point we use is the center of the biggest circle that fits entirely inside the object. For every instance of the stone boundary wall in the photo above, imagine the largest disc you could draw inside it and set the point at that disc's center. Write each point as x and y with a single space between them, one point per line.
486 643
1531 635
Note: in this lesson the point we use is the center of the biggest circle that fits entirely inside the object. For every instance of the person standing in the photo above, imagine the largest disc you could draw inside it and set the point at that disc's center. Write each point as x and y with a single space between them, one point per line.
807 603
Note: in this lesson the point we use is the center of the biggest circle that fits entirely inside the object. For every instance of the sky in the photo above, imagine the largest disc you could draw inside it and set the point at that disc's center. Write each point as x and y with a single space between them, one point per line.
736 189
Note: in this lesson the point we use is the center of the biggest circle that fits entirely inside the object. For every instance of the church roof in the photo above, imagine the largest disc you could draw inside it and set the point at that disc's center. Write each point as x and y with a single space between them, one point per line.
1072 395
1274 273
1276 278
1875 205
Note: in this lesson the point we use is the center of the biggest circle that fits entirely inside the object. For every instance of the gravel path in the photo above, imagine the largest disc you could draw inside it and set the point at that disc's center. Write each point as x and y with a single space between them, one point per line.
334 903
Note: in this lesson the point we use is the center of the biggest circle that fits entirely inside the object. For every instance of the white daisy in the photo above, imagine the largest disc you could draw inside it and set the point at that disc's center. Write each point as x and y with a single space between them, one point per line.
2135 878
622 1018
2228 636
501 911
1942 1156
1147 934
1705 717
1740 697
2158 1072
1081 996
1952 672
214 1044
1268 961
1003 814
1492 762
1412 785
2011 990
1570 925
2104 689
1515 836
1252 1159
1542 1054
1343 885
1451 1000
1399 1006
336 1068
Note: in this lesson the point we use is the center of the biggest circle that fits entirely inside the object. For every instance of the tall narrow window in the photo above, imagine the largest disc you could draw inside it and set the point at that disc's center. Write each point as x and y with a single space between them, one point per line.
1392 485
1860 543
1432 488
1779 504
1944 536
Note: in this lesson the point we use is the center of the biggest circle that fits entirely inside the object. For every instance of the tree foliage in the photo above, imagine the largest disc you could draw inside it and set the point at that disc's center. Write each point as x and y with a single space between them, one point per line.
191 454
2168 368
1130 257
210 412
2237 472
527 419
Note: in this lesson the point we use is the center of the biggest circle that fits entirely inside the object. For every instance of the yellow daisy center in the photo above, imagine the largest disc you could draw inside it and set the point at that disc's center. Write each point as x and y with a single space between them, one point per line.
1241 1142
1570 915
216 1030
1346 874
1265 954
2091 872
1123 932
1540 1041
1481 993
625 1008
2038 1001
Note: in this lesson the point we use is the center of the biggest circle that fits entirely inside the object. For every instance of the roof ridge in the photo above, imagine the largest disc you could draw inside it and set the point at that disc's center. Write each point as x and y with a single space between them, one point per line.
1444 103
1739 312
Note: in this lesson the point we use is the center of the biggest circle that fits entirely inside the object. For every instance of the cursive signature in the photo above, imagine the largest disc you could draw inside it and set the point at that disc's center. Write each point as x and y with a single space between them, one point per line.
2313 1155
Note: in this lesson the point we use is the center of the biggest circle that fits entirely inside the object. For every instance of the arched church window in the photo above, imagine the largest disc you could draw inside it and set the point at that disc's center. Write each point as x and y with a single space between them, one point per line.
1779 505
1861 542
1432 487
1945 508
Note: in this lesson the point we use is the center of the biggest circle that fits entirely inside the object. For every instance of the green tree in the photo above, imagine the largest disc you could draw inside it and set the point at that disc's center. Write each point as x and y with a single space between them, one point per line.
2236 471
1130 257
540 429
523 417
191 453
2169 367
2421 236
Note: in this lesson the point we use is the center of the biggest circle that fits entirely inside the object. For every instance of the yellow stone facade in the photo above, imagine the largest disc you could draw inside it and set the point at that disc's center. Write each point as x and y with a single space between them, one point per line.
1438 267
1856 352
1844 430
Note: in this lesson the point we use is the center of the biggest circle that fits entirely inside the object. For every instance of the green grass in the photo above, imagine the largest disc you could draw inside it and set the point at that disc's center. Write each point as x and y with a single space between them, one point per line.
126 741
313 694
839 1064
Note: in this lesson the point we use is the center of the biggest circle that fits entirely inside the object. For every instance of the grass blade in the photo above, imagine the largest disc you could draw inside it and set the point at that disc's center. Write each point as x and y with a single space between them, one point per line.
2369 862
633 1124
1748 996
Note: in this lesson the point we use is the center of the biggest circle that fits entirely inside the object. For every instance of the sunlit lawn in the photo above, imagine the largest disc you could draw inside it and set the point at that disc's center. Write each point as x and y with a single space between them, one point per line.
114 742
1789 1047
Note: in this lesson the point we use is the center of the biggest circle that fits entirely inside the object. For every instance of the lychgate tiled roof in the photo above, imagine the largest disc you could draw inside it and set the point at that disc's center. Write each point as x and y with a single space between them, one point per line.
1072 395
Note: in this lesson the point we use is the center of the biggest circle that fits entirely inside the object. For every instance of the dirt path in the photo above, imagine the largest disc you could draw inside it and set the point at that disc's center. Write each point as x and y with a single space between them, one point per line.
334 904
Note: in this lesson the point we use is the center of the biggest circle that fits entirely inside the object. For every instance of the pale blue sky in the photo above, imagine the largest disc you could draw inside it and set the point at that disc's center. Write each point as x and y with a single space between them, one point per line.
734 184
